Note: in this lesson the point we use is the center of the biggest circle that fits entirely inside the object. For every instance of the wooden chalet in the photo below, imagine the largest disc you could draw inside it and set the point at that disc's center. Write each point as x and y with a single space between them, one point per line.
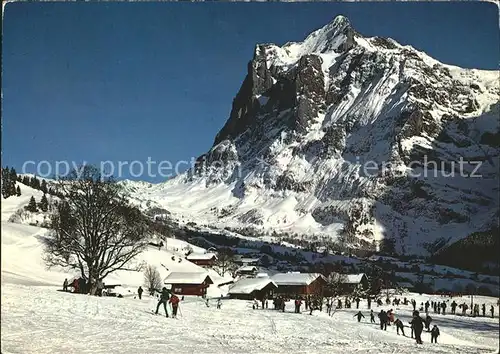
202 259
293 284
253 288
247 271
352 281
189 283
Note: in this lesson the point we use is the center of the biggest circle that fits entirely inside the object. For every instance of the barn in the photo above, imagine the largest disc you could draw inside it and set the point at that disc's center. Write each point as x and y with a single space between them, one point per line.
293 284
353 281
202 259
247 271
253 288
189 283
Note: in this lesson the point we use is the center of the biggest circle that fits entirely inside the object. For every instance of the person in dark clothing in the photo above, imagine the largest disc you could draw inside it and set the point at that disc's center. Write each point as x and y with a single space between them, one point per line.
298 304
383 320
453 307
372 317
418 326
427 307
434 334
174 300
435 307
492 311
399 326
139 292
164 297
369 302
359 315
65 285
428 320
414 303
357 302
339 304
483 308
443 306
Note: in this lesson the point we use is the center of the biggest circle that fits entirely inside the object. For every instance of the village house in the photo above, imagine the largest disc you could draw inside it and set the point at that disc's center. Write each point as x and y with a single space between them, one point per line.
352 281
293 284
189 283
202 259
253 288
246 261
248 271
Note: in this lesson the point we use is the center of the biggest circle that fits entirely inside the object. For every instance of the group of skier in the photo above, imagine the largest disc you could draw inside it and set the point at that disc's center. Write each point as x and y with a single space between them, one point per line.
166 296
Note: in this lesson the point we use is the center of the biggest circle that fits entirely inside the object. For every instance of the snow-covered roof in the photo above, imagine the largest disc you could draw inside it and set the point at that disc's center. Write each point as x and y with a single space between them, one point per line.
247 269
351 278
247 285
201 256
187 278
295 278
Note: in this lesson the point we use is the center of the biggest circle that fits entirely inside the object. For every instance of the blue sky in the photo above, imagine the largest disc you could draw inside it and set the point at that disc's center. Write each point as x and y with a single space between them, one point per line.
127 81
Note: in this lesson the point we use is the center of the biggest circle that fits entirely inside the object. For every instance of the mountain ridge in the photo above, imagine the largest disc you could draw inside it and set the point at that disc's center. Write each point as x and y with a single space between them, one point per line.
310 115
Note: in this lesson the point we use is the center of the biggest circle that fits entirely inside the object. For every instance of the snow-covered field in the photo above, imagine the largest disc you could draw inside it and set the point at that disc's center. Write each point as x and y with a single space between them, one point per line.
36 318
43 320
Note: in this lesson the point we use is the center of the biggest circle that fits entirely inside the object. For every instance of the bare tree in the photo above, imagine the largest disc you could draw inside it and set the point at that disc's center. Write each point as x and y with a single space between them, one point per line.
225 261
152 279
96 231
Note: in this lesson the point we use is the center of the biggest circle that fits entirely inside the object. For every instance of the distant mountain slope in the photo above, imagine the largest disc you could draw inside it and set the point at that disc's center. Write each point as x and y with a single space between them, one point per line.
330 135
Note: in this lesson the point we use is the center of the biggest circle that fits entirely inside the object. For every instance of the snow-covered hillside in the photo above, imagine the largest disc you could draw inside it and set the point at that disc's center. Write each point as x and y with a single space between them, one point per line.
311 132
23 259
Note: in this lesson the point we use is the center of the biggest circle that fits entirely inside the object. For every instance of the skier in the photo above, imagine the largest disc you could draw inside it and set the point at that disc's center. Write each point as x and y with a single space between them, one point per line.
174 300
372 317
418 325
369 302
139 292
383 320
207 303
483 308
399 326
427 307
298 303
492 310
414 303
255 304
219 303
453 307
359 315
357 302
164 297
65 285
434 334
435 307
428 320
443 305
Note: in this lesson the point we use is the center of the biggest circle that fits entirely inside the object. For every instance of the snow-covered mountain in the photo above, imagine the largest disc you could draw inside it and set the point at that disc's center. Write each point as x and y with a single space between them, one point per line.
330 136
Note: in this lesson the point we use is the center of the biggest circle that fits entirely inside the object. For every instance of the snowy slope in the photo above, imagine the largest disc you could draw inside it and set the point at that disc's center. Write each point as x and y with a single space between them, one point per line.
311 128
42 320
22 253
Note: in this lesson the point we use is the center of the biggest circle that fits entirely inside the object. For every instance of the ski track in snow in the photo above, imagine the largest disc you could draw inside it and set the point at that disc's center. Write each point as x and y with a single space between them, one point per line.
43 320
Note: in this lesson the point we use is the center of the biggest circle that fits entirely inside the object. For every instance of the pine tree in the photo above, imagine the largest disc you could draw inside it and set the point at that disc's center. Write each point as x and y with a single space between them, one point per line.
18 191
36 183
43 187
13 174
26 180
44 203
32 205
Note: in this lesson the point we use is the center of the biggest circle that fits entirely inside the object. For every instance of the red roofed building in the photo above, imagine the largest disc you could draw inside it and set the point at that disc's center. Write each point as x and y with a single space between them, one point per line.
188 283
202 259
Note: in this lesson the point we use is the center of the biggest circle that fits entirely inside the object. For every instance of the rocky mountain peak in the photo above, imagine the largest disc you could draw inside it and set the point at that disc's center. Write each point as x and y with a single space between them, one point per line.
309 115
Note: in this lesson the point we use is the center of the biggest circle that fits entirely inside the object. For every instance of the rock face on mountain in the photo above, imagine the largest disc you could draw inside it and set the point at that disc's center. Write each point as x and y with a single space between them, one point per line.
352 137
